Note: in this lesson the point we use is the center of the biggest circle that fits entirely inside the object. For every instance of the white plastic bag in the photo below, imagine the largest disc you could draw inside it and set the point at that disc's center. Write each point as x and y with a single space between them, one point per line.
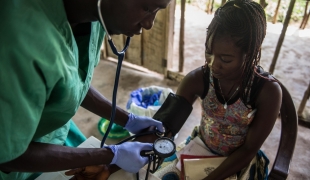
132 107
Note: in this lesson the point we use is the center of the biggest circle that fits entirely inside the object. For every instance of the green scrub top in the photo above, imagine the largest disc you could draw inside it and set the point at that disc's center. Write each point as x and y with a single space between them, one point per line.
45 73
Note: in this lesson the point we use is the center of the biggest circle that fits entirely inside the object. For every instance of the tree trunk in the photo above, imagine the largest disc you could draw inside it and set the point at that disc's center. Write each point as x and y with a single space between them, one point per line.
304 23
306 20
181 38
274 19
282 35
212 4
208 7
305 16
223 2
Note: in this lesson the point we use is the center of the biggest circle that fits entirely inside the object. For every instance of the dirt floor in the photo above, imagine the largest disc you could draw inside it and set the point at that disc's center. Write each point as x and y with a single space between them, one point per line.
293 69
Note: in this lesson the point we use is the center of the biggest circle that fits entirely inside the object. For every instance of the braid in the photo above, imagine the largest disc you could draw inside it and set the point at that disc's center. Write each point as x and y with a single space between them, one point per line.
246 20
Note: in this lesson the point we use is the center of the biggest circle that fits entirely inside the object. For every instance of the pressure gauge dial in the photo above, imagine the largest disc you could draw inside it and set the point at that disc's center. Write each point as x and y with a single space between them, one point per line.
164 147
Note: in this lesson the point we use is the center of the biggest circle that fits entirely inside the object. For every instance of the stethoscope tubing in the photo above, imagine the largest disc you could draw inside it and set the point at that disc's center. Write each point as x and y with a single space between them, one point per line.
120 56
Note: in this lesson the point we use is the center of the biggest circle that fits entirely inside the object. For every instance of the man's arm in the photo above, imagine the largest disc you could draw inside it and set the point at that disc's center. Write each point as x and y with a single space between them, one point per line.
95 102
41 157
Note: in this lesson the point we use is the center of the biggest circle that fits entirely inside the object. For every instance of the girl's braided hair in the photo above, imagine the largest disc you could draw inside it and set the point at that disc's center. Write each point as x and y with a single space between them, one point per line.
245 20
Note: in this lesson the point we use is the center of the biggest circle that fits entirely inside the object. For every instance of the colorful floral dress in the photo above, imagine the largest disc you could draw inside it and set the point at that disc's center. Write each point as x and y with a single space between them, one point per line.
223 130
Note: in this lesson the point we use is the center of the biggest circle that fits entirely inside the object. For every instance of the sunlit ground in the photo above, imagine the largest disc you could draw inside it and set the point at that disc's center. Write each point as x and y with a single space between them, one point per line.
291 30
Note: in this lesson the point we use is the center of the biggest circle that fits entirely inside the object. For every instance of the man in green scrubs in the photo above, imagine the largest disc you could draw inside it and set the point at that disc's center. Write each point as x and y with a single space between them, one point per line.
48 52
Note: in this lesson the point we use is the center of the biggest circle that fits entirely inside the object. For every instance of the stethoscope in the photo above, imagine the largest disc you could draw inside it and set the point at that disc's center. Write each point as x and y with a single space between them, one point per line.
120 56
163 147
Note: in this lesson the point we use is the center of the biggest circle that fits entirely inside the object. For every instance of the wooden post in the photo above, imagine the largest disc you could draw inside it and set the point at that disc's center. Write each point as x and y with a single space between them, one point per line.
212 5
169 39
282 35
181 39
306 20
303 101
305 16
274 19
208 7
142 51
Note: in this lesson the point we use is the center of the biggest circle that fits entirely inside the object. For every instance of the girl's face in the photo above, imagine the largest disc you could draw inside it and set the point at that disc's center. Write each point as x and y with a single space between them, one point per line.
226 59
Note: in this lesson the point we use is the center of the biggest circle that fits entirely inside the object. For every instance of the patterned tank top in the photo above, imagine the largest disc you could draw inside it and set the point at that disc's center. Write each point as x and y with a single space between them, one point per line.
223 130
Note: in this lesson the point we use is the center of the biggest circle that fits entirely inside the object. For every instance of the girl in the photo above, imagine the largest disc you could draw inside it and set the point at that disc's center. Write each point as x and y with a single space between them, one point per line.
240 104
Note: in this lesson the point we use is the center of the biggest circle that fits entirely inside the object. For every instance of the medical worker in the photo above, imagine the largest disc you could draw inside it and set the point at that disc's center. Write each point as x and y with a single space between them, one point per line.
48 52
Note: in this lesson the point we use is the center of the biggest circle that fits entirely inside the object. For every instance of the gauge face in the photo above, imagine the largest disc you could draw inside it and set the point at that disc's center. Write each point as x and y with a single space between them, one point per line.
164 146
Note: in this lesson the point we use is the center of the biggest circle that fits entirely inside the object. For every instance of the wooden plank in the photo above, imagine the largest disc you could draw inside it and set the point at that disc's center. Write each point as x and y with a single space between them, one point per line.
176 76
181 38
169 37
154 43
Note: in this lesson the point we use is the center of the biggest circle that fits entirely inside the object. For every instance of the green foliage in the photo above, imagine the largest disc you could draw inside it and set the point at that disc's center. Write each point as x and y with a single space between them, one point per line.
297 14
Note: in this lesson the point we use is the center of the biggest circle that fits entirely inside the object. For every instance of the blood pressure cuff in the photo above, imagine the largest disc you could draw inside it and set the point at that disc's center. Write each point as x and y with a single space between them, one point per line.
174 112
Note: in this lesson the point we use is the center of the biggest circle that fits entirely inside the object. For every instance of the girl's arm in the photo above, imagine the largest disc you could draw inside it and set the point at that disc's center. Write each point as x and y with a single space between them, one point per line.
192 85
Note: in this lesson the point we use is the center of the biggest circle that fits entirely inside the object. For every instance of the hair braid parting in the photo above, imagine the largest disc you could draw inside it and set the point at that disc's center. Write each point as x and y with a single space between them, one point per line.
246 20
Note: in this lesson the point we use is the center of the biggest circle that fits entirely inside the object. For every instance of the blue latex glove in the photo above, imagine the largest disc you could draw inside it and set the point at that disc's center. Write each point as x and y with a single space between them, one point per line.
127 155
137 123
